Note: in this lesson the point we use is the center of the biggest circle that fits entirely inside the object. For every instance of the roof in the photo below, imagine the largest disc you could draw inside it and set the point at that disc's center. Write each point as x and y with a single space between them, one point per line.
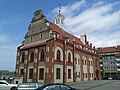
61 32
109 49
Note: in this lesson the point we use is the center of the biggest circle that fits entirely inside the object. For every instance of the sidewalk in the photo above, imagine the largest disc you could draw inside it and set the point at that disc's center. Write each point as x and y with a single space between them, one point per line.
85 85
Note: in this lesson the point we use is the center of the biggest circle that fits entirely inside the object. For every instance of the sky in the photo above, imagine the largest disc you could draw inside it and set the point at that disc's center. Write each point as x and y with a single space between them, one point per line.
98 19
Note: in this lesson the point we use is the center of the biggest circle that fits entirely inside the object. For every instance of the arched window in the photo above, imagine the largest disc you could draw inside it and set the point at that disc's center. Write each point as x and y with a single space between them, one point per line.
69 57
22 58
32 57
58 54
42 55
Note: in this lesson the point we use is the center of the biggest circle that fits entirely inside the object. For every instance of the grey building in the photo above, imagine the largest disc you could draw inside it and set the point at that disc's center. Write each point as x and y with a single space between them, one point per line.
110 60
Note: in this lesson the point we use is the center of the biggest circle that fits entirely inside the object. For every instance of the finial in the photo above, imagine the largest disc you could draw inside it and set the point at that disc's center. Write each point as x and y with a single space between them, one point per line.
59 8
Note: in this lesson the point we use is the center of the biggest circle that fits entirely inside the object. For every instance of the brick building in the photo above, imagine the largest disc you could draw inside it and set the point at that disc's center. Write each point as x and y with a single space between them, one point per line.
110 58
49 54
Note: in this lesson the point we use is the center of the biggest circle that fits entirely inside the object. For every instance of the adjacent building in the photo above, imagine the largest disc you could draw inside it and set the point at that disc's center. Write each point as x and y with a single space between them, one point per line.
49 54
110 61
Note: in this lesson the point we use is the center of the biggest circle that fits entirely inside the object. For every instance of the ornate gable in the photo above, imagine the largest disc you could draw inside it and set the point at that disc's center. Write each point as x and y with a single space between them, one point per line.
38 30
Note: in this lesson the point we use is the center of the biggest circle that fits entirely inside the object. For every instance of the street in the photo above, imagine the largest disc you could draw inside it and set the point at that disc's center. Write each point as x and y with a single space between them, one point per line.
97 85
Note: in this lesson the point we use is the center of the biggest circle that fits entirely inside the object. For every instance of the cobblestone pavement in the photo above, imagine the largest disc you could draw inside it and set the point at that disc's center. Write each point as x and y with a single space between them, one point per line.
97 85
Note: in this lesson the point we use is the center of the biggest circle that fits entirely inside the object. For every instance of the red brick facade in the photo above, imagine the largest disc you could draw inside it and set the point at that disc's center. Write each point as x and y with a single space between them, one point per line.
84 60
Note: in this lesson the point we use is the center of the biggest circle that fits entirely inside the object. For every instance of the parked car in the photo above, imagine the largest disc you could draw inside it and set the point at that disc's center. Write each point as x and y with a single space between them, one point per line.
56 86
111 78
117 77
4 85
28 86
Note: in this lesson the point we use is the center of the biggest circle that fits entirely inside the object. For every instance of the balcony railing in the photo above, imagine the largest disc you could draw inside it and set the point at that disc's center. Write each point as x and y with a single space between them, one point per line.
118 64
118 69
118 59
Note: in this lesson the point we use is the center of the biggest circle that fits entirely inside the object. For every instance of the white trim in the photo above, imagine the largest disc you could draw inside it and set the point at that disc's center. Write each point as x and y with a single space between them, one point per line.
61 75
55 53
20 69
42 81
70 67
68 51
78 78
29 80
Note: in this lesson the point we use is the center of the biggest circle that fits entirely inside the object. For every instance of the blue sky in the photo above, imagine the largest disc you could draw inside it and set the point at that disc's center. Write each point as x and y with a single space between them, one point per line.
99 19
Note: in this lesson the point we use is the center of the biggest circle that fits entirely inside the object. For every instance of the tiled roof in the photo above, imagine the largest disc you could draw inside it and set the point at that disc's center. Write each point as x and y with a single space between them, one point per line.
56 28
109 49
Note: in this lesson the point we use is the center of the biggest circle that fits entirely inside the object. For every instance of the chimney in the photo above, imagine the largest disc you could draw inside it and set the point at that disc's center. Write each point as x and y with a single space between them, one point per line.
83 38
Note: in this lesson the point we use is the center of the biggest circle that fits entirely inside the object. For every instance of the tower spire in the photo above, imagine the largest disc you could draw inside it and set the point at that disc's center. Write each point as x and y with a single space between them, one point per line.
59 19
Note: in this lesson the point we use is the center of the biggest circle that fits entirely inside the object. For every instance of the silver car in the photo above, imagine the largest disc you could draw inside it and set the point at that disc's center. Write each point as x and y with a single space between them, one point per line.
28 86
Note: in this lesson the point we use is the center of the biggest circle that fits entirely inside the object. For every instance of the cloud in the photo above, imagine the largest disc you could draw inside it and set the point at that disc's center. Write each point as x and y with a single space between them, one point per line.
8 56
7 52
4 39
100 21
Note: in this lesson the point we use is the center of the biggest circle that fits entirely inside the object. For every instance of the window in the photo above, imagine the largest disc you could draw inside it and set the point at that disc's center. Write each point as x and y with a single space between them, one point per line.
85 62
32 57
42 55
69 57
78 61
69 73
53 87
21 71
57 73
22 58
86 75
31 73
91 63
41 73
31 38
64 87
58 54
92 74
41 35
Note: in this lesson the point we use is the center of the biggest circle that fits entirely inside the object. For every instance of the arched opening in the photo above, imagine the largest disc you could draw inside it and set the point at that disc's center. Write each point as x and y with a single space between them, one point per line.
42 55
69 57
58 55
22 58
32 57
